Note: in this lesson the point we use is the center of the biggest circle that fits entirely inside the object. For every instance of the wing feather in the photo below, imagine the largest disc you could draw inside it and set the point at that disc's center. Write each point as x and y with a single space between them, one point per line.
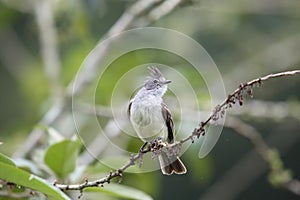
169 122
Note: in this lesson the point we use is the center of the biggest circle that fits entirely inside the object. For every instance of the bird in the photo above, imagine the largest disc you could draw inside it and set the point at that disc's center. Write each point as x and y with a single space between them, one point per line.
151 119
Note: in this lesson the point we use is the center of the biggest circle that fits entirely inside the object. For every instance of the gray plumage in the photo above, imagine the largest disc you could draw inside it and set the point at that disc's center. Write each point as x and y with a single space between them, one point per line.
151 118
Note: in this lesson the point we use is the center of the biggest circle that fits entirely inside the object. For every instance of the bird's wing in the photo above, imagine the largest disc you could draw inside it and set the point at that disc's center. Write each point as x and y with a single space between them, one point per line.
169 122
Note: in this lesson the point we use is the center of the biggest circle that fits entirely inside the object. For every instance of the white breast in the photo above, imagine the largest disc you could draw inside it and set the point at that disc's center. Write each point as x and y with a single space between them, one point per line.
147 119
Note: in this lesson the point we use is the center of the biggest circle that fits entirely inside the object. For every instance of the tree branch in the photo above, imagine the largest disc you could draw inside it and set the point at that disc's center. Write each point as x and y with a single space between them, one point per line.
163 9
43 13
106 179
218 112
236 96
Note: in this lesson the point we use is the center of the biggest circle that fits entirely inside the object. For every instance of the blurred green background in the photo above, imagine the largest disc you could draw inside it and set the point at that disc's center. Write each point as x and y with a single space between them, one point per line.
246 39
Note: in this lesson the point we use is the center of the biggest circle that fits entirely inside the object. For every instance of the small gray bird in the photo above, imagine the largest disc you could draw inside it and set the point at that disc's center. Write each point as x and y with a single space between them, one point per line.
151 119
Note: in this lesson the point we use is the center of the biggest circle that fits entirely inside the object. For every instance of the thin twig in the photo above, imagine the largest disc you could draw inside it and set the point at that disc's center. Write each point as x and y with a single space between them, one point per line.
163 9
237 94
130 15
107 179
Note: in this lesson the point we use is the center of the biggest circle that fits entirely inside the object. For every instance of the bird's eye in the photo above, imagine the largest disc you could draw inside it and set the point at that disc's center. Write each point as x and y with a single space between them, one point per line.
155 81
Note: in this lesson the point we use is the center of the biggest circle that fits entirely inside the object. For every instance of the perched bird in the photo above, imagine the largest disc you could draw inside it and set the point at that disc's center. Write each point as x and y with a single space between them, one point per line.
151 119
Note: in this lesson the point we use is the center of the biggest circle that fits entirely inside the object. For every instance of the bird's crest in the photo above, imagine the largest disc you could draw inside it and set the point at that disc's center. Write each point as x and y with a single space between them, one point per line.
155 73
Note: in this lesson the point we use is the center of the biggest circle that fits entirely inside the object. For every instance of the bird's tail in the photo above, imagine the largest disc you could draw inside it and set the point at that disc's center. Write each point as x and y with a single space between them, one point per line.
170 165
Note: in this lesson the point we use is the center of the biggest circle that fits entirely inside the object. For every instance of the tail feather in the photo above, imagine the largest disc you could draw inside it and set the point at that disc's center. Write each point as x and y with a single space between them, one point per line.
171 165
178 167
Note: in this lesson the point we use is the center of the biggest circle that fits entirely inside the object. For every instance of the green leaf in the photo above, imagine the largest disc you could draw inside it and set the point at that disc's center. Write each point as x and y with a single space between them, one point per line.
6 160
61 157
122 191
18 176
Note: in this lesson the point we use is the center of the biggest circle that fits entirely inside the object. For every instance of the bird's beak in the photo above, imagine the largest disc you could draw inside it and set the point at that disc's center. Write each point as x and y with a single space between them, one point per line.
166 81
